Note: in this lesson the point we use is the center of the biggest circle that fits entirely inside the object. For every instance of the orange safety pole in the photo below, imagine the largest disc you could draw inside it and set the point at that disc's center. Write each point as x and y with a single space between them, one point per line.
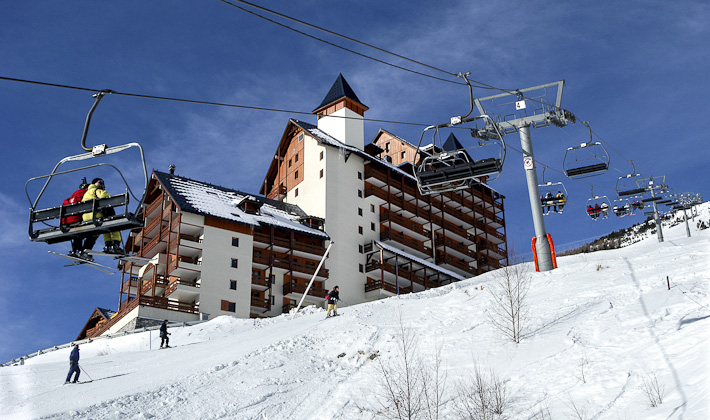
552 251
534 239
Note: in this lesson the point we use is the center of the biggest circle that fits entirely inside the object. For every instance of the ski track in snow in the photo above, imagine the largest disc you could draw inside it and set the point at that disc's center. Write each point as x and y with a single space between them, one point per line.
597 326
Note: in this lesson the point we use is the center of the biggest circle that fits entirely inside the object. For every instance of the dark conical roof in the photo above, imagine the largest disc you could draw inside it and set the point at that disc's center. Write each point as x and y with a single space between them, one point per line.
452 143
340 89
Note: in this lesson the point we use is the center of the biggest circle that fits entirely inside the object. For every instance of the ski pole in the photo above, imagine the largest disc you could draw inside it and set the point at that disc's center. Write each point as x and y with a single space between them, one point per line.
85 372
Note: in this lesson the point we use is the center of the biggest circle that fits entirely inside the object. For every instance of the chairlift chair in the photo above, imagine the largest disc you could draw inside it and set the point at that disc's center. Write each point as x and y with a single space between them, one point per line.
587 159
54 230
603 210
553 195
622 208
454 169
631 185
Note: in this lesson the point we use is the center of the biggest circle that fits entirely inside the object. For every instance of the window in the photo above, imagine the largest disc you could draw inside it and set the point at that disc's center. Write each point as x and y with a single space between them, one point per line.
229 306
289 163
387 147
233 284
360 249
404 154
372 226
296 177
296 157
362 269
372 208
234 263
359 230
359 211
300 137
359 193
321 173
359 175
295 193
235 241
321 155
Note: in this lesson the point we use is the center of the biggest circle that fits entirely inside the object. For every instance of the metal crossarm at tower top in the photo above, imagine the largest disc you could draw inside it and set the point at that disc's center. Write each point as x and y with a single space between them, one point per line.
542 114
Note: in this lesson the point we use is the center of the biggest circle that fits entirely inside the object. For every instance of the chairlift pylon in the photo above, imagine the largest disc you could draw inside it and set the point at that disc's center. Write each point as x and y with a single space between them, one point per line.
453 168
54 230
587 159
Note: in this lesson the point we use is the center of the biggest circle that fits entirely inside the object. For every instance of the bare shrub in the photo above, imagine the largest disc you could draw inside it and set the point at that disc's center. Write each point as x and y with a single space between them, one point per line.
509 291
482 397
411 387
654 390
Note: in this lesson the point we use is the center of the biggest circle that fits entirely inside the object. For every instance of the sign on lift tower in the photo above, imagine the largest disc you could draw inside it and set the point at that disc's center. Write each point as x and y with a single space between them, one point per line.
517 111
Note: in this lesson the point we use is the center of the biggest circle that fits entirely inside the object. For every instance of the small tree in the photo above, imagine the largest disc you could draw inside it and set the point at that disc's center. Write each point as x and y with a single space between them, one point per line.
482 397
510 288
411 387
654 390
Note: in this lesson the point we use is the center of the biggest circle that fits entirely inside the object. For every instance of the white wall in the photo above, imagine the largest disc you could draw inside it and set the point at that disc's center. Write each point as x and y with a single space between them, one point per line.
217 254
350 130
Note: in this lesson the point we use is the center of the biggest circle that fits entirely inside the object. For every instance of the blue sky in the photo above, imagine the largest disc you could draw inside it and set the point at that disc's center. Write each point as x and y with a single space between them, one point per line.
636 70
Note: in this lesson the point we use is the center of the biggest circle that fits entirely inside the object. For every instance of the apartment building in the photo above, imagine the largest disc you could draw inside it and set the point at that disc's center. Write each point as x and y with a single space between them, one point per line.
217 251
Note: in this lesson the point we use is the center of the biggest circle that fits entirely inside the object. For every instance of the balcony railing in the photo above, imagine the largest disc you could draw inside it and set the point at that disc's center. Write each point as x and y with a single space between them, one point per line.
263 303
300 288
377 284
286 243
386 235
455 262
282 261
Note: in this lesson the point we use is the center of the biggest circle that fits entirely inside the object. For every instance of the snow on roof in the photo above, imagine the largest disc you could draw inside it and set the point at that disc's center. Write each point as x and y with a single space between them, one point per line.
203 198
418 260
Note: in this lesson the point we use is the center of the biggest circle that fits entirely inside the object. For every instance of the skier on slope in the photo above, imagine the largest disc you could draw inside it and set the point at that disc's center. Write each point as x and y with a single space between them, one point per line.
164 334
73 364
333 298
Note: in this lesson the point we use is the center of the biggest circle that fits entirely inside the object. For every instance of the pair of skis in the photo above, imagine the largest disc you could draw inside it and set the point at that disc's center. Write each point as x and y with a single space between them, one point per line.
97 266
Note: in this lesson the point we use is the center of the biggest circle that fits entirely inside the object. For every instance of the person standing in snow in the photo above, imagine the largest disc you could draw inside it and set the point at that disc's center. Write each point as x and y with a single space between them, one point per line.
73 364
333 298
164 334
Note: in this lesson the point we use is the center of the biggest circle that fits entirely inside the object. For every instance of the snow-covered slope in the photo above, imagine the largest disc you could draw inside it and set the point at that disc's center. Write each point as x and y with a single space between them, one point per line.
597 327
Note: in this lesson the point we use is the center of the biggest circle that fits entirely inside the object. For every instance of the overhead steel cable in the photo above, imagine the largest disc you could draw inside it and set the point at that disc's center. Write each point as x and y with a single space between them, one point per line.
336 45
200 102
312 26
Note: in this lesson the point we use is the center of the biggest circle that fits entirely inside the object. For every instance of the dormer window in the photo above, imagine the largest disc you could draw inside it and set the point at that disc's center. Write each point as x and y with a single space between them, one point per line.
250 205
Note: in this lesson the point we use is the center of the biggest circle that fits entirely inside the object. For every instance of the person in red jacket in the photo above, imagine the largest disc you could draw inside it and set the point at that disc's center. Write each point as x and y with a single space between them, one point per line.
77 244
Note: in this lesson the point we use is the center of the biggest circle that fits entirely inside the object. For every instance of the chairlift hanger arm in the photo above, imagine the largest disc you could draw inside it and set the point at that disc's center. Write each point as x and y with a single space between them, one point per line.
98 96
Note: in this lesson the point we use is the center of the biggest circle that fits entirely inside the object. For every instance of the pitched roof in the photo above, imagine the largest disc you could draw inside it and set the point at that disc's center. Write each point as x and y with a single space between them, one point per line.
340 89
212 200
452 144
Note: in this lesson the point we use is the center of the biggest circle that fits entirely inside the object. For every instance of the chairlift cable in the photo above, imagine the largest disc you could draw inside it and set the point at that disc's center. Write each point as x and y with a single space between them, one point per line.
200 102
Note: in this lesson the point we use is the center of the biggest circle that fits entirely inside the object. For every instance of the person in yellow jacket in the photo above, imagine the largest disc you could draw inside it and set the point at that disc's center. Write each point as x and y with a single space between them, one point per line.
112 240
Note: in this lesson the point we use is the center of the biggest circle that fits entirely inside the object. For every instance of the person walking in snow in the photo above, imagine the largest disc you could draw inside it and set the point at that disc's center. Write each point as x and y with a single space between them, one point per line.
333 298
164 334
73 364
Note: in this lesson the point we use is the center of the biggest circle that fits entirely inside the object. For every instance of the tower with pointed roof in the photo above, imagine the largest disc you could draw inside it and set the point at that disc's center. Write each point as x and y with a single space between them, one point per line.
341 113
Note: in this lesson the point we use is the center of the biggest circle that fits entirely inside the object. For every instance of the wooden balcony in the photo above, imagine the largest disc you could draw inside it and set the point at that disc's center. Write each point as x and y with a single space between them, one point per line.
386 216
284 262
286 243
459 263
376 284
263 303
299 288
390 235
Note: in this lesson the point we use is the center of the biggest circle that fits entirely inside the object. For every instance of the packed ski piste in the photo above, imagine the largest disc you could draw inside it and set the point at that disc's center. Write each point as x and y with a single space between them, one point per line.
601 333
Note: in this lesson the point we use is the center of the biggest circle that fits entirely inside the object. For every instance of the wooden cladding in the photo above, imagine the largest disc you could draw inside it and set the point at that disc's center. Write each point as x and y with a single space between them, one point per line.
227 225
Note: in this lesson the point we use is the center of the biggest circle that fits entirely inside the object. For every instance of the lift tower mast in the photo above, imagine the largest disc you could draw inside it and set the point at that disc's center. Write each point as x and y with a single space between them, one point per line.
538 106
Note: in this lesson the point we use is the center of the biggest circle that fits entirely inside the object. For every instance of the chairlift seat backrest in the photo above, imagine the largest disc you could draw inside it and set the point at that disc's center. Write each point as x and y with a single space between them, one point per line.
459 171
122 220
586 170
627 193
